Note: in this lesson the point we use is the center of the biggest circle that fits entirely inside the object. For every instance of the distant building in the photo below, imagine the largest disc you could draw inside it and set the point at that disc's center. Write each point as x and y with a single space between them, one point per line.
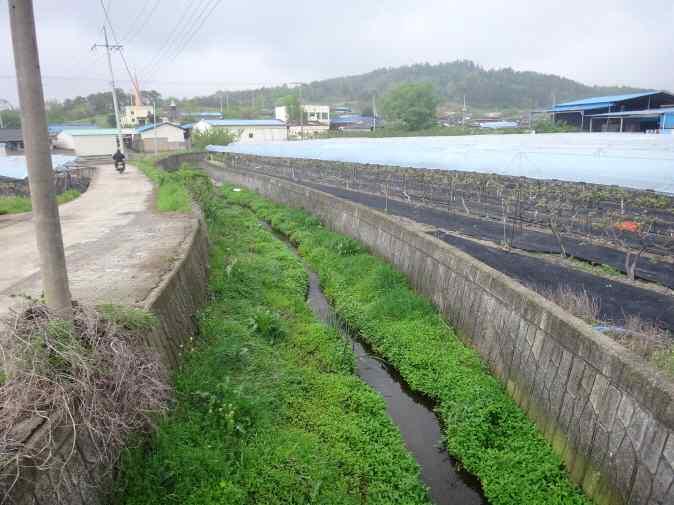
173 112
202 115
91 141
248 131
167 136
56 128
12 138
636 112
499 125
136 115
319 114
353 122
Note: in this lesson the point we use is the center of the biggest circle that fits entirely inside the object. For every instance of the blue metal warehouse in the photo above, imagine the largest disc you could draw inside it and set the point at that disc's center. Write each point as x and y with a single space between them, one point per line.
636 112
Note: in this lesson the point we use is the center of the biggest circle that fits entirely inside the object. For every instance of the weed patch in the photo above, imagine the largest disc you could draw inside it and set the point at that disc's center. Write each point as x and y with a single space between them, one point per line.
267 408
485 429
172 195
19 204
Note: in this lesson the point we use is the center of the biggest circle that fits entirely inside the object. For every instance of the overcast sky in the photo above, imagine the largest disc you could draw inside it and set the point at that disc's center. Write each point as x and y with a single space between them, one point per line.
248 44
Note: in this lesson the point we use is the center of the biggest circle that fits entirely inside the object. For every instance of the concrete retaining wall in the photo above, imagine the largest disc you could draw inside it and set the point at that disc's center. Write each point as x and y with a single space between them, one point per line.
175 301
606 412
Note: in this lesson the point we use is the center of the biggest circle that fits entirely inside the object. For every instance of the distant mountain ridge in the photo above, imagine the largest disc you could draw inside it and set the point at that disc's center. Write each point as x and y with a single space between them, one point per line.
498 88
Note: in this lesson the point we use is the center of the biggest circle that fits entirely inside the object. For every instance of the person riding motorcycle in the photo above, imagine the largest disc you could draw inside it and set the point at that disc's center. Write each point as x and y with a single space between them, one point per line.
119 160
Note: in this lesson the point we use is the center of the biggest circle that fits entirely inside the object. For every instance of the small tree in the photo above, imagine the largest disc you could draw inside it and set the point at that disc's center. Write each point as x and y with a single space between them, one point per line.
213 136
636 238
412 105
293 107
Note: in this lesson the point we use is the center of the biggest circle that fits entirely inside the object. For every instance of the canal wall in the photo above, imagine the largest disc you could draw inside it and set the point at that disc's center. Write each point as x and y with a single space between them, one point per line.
607 413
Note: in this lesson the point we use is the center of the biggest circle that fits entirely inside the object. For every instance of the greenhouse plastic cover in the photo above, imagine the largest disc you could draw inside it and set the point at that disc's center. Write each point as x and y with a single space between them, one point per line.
641 161
15 166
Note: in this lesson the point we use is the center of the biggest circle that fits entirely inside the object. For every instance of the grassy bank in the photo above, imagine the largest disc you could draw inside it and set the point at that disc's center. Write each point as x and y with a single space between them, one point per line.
485 429
172 195
267 408
19 204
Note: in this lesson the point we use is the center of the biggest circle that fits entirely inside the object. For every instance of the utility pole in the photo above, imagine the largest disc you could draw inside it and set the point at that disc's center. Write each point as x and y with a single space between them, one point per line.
38 157
374 112
109 48
301 115
154 116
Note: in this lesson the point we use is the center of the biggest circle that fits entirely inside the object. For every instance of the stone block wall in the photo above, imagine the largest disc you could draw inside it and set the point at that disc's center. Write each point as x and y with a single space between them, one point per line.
607 413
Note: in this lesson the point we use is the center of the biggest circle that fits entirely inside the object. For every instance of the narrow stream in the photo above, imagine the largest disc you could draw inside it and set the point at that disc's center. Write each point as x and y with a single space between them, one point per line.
412 412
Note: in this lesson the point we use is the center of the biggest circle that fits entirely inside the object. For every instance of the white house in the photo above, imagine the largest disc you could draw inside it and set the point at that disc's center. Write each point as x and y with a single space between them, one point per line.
135 115
89 141
168 136
247 131
312 113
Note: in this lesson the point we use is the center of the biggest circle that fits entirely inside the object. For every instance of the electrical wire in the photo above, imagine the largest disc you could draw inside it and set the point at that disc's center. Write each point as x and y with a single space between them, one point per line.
186 17
196 30
114 37
133 33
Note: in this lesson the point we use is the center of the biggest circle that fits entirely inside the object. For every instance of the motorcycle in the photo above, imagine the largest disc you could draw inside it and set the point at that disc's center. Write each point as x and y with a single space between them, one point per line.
120 166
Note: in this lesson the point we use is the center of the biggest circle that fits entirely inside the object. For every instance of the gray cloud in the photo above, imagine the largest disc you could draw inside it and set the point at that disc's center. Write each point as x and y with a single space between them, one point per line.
244 44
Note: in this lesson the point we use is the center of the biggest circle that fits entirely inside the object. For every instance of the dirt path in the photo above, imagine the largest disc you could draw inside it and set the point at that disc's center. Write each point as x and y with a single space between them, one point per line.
117 247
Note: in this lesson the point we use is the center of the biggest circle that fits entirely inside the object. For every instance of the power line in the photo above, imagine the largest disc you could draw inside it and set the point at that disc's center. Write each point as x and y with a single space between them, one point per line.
196 30
114 37
158 81
130 35
183 21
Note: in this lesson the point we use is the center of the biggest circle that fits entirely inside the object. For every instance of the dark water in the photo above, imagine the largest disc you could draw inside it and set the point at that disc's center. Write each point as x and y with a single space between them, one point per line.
412 413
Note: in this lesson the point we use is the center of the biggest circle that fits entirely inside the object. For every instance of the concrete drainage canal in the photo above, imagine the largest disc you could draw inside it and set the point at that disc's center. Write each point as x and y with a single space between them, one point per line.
413 413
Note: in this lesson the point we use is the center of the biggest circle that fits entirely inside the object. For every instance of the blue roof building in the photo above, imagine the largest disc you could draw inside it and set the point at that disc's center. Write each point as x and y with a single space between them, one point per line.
635 112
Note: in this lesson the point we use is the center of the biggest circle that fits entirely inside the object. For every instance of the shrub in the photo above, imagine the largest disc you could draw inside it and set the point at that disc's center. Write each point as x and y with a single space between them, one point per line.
89 375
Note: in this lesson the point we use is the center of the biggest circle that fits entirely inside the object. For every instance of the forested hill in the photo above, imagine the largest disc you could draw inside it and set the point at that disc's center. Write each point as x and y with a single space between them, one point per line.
503 88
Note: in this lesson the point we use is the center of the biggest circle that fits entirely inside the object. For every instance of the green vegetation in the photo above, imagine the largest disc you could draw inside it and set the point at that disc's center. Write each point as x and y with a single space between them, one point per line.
172 196
412 106
129 318
267 408
19 204
214 136
547 125
11 118
484 428
293 107
485 90
14 204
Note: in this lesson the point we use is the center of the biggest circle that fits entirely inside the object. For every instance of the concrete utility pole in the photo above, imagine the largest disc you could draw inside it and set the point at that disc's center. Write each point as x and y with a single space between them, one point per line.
154 116
109 48
301 115
374 112
38 157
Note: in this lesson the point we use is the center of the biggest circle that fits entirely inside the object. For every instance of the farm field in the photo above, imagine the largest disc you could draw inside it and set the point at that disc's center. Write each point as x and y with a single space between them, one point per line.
630 160
524 247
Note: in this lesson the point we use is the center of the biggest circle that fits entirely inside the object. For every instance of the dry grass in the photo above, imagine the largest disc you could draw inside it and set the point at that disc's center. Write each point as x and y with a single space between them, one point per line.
578 303
91 377
642 337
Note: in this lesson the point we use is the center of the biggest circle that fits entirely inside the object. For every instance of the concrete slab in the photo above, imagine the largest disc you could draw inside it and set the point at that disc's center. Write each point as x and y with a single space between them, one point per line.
118 248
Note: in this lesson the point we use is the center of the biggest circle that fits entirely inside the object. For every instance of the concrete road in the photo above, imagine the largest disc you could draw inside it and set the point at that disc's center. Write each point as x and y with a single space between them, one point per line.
118 248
